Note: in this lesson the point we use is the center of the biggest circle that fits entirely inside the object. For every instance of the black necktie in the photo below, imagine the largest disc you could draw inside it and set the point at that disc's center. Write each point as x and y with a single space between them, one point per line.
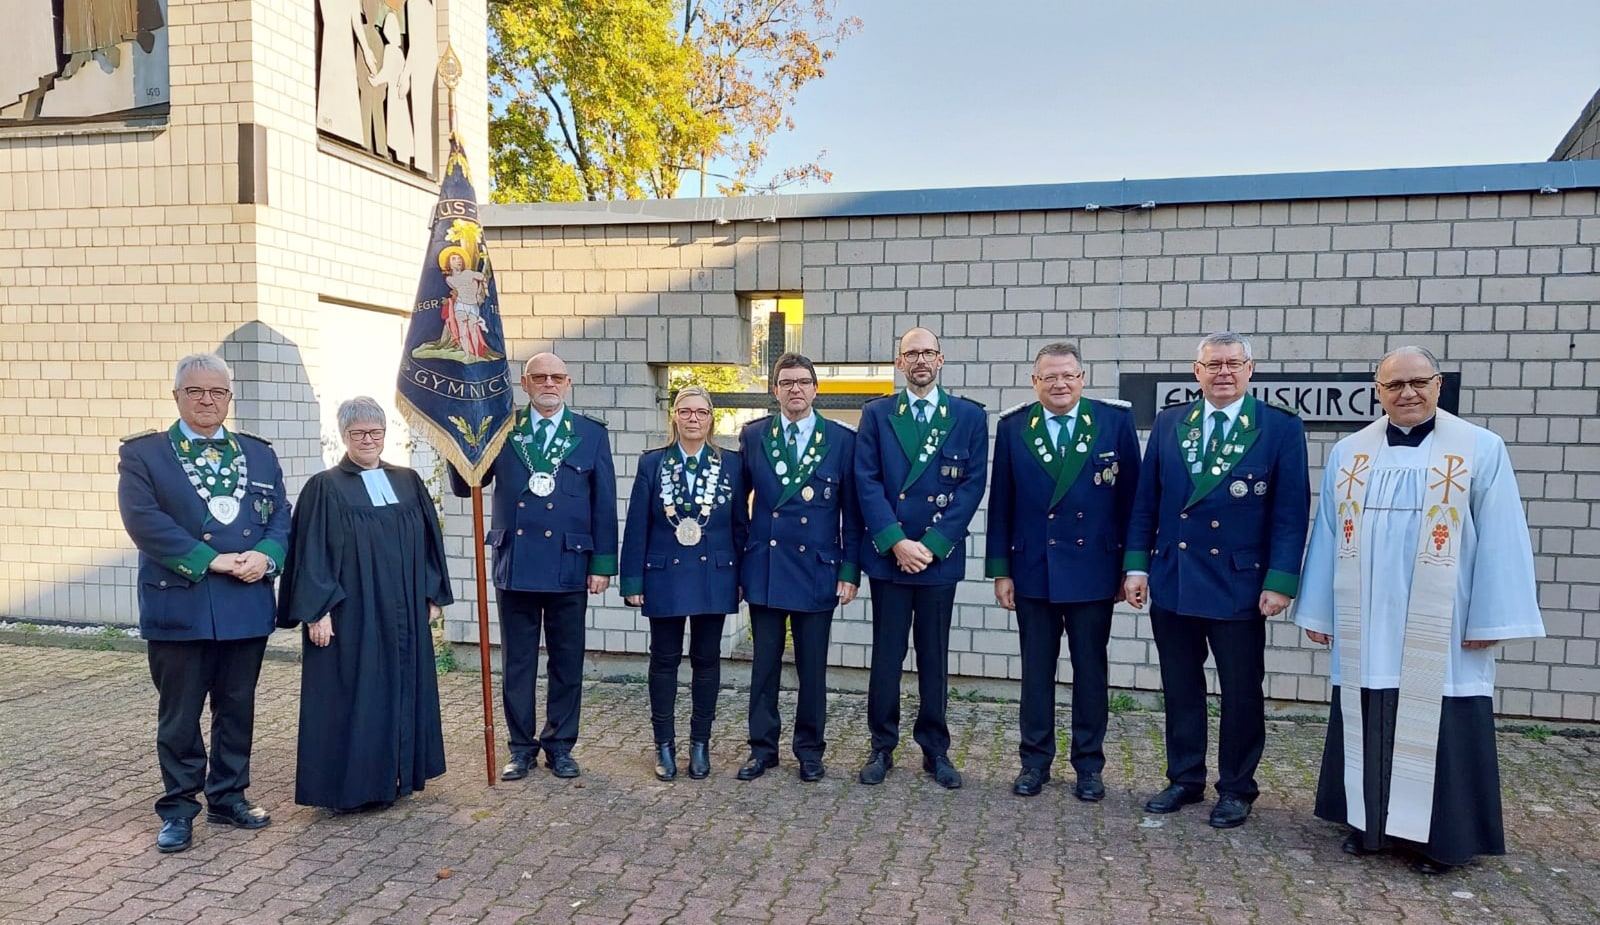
1398 437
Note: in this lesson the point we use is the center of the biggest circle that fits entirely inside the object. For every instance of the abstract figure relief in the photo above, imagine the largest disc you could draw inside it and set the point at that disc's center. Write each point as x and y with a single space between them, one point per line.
83 60
376 64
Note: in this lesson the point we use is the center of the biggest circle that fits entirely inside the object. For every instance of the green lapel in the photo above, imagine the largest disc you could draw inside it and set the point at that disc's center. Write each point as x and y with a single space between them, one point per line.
1078 452
810 457
905 427
925 446
1214 471
1037 438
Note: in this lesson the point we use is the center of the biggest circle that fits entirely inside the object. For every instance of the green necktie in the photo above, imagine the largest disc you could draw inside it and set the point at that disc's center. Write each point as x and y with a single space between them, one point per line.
794 443
541 436
1219 427
920 409
1064 433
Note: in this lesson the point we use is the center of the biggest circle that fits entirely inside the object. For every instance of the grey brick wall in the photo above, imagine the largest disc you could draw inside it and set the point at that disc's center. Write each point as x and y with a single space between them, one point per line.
1500 285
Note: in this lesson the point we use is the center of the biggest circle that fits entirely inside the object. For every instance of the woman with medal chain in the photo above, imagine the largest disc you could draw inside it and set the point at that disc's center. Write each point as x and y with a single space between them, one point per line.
687 523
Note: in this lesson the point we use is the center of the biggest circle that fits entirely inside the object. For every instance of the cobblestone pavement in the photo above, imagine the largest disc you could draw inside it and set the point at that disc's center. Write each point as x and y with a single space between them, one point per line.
77 777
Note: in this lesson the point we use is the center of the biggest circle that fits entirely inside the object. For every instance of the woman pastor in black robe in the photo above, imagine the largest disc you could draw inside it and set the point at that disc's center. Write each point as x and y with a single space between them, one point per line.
366 570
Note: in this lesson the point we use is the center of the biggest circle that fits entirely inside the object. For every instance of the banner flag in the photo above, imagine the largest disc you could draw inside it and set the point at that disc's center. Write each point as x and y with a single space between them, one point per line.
455 385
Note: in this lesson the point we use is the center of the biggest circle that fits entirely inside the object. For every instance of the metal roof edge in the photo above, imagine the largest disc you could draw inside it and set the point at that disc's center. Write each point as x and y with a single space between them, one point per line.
1540 176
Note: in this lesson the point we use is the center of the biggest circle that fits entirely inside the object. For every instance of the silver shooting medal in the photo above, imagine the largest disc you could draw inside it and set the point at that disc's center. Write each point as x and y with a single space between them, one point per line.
542 483
225 508
688 533
1238 489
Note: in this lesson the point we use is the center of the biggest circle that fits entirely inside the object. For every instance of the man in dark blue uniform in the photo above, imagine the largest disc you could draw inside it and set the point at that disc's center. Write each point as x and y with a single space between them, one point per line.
1215 543
802 558
555 542
206 508
921 460
1065 472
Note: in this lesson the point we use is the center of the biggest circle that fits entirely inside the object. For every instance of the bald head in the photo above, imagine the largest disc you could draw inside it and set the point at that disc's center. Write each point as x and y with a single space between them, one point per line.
544 378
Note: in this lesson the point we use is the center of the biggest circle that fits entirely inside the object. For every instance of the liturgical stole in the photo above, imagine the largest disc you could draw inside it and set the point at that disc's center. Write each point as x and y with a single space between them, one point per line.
1429 620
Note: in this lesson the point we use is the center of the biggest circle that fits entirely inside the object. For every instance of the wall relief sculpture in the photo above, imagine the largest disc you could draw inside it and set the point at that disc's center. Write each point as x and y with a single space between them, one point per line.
376 61
83 60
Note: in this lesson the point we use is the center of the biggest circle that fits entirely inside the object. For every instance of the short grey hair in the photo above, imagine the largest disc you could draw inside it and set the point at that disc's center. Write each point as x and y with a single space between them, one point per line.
204 362
1416 349
1223 339
361 409
1060 348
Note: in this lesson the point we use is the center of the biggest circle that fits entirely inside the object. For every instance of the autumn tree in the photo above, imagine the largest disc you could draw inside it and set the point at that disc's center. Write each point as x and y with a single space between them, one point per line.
616 99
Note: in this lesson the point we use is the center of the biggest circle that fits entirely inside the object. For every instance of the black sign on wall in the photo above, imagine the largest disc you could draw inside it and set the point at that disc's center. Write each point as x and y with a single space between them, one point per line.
1325 400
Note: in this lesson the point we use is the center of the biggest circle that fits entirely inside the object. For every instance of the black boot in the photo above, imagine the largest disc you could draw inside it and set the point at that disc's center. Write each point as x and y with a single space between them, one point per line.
699 760
666 761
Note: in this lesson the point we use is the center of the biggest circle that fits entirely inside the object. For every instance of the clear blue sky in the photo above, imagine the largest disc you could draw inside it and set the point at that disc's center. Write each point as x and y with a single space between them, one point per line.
943 93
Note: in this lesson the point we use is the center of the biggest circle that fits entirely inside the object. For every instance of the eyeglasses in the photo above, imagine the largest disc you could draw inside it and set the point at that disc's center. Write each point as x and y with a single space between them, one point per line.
787 384
912 356
1217 366
362 436
195 393
1400 385
693 414
1054 378
556 378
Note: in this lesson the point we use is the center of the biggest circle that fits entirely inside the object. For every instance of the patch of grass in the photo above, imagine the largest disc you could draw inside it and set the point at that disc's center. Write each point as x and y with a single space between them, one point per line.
113 632
1122 703
27 627
1538 732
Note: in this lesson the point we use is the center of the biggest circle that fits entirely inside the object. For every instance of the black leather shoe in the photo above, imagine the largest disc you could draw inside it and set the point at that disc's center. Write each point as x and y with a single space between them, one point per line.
755 767
1172 799
175 835
1030 782
812 770
517 768
877 767
240 815
1430 867
1355 845
1230 812
666 761
1089 788
562 765
943 771
699 760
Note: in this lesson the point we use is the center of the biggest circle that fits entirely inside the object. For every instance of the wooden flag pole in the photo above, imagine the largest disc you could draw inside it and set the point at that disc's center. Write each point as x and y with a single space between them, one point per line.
483 631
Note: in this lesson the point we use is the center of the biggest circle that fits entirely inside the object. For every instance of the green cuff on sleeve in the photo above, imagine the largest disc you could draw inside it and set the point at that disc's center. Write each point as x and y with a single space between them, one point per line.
937 544
887 537
193 565
850 573
274 551
1285 583
632 586
603 565
1136 561
999 567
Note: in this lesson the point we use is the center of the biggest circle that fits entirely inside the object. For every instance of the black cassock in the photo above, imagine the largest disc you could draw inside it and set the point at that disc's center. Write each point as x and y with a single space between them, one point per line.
369 700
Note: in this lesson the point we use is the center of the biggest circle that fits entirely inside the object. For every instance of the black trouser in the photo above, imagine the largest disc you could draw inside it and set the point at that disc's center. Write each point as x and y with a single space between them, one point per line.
1039 628
1239 646
560 613
185 675
924 612
811 665
705 661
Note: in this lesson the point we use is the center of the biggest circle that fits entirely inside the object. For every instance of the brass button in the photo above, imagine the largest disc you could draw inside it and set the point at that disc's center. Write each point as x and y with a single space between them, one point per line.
1183 545
547 534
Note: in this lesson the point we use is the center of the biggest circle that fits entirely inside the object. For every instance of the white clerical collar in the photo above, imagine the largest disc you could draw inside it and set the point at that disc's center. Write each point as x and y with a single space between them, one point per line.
379 489
192 434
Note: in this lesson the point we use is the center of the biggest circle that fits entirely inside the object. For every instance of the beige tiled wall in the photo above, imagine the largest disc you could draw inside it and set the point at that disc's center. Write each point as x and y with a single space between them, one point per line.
1501 286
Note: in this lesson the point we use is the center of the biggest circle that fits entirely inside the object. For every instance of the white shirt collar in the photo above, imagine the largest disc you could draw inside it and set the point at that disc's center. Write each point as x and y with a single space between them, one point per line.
932 398
1231 409
192 434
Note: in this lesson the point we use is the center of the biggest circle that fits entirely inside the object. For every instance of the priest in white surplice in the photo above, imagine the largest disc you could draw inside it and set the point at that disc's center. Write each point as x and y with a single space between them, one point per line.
1419 563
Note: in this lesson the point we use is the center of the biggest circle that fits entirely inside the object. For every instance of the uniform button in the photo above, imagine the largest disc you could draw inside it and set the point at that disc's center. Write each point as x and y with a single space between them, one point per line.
206 537
246 531
549 505
163 582
522 504
1183 545
902 496
1215 552
1183 516
547 534
772 542
774 515
519 531
930 499
1080 542
1215 525
802 548
1052 542
1080 515
1050 517
805 520
674 561
702 558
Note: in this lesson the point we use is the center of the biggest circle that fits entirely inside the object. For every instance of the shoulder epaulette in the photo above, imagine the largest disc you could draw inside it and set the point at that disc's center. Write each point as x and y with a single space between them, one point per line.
1015 408
585 414
971 400
257 437
1286 409
1115 402
879 398
143 433
841 424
